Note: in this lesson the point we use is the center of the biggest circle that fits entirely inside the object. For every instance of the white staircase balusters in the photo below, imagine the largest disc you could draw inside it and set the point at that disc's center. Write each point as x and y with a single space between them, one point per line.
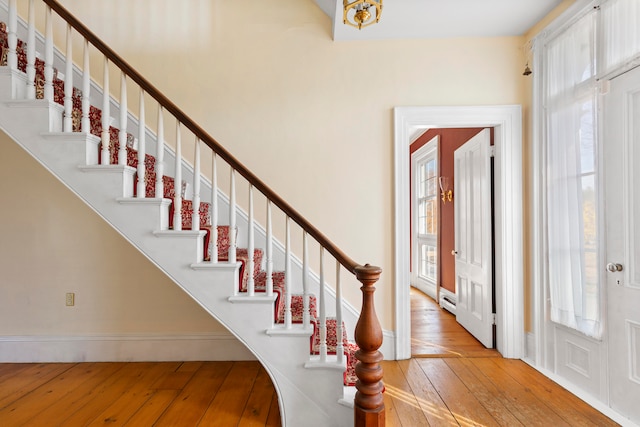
233 230
322 327
339 329
31 52
48 56
106 111
177 184
141 188
159 193
195 216
86 89
287 276
214 209
305 281
12 36
122 136
251 247
269 251
70 123
68 84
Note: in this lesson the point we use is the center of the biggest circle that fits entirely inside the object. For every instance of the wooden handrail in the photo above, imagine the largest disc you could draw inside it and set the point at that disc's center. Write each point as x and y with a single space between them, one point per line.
369 408
201 134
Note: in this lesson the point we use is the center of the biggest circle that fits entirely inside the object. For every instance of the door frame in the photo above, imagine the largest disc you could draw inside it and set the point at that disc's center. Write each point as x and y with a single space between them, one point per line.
409 123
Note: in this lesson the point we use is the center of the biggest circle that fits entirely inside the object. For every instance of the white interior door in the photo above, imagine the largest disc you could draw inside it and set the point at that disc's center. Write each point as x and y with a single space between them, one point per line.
424 202
622 215
472 198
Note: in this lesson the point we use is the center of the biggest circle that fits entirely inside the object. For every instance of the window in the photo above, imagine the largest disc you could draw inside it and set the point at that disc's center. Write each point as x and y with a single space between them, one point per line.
427 217
605 41
572 178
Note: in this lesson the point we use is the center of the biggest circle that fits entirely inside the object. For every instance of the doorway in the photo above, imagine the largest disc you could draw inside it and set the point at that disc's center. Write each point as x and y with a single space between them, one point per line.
507 122
451 226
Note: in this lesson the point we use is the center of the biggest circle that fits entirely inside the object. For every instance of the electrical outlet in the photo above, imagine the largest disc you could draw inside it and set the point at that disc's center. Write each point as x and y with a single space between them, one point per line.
71 299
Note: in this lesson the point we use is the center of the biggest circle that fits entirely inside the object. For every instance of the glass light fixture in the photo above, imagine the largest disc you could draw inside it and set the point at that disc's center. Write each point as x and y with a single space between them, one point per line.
446 193
362 13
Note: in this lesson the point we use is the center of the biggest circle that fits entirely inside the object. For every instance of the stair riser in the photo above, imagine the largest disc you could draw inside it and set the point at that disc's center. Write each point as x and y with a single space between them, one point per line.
13 85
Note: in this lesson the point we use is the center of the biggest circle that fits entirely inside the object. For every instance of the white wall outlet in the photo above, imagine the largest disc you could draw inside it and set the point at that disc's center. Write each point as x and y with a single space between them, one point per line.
71 299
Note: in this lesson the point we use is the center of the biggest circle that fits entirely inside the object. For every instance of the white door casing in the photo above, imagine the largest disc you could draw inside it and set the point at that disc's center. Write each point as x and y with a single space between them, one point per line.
621 143
507 123
424 238
473 249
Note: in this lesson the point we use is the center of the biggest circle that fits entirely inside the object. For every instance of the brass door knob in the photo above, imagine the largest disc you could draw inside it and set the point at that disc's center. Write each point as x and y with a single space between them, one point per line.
613 267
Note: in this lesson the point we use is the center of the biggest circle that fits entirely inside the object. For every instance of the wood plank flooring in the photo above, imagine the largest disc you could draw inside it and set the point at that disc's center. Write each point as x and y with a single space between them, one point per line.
435 332
451 381
137 394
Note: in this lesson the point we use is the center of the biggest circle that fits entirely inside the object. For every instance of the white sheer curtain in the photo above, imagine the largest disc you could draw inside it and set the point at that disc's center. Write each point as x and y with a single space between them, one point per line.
571 178
620 35
571 96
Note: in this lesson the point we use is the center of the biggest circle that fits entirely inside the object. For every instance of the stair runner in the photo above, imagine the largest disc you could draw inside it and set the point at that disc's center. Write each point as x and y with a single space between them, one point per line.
242 256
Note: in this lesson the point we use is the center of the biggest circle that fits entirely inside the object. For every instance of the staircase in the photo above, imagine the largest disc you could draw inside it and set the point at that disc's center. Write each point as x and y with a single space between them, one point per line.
293 323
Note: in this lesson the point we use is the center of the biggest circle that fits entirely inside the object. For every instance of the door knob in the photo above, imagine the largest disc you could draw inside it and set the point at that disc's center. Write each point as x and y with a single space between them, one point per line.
613 267
454 252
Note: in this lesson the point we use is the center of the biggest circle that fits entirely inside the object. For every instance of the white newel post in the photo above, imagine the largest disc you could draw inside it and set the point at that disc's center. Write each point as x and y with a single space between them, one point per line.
214 209
177 184
12 36
269 250
233 231
141 189
339 332
195 216
287 275
31 52
159 193
48 56
68 84
106 112
86 89
251 248
322 327
306 314
122 136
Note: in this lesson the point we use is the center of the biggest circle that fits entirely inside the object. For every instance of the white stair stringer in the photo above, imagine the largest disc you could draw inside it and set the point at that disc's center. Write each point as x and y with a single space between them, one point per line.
307 397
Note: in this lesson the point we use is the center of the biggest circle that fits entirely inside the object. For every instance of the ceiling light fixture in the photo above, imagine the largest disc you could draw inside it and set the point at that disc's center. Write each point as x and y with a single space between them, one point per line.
362 13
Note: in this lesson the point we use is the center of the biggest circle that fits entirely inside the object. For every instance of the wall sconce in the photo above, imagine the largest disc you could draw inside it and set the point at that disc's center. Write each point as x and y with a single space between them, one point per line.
445 190
358 13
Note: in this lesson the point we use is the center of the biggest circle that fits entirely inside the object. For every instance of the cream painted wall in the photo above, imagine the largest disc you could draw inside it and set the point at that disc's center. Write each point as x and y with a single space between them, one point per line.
311 117
52 243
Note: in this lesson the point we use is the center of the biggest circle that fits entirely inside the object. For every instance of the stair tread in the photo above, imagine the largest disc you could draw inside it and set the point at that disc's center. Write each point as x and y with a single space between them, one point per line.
169 193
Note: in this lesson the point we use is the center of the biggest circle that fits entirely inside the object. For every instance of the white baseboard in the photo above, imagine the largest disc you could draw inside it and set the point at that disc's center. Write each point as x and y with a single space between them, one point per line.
388 348
530 344
586 397
122 348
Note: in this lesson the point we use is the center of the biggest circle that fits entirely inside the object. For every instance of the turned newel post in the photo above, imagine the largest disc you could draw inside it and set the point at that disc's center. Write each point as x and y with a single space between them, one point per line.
369 402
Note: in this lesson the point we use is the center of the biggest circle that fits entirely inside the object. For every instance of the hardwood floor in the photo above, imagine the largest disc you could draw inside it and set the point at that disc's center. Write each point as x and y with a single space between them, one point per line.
435 332
137 394
451 381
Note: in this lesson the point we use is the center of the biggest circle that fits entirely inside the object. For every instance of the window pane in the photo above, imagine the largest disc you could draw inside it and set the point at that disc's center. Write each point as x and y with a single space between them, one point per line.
587 138
590 236
571 58
422 176
620 33
431 219
428 262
